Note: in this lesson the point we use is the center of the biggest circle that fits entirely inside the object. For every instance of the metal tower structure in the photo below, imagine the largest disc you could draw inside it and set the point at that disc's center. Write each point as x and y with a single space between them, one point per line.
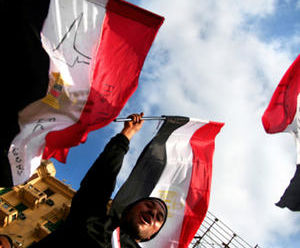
213 233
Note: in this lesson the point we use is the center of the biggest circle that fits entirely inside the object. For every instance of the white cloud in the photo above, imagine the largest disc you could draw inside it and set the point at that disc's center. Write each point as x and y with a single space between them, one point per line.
206 64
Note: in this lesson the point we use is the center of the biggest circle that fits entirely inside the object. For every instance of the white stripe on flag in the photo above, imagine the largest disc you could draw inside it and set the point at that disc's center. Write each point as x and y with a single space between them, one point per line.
174 182
115 238
295 130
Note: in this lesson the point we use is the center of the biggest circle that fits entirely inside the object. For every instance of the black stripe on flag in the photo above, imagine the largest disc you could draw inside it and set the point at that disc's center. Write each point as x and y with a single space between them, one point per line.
291 196
148 168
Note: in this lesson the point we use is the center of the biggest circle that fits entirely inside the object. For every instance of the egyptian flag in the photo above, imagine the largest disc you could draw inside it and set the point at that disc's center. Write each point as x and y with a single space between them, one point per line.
97 49
115 238
175 166
282 115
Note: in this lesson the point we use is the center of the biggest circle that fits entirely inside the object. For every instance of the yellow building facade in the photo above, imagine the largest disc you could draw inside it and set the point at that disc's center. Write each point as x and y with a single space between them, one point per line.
31 211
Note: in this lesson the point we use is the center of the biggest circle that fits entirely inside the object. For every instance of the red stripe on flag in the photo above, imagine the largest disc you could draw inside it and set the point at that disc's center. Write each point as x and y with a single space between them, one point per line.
282 108
119 59
135 13
203 145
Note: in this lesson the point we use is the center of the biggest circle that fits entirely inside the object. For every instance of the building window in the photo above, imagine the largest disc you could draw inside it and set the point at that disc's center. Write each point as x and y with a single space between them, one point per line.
6 206
53 226
49 192
36 190
22 216
14 217
21 207
50 202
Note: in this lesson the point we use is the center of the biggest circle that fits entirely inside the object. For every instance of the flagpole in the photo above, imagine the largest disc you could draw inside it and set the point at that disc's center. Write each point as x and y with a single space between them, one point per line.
148 118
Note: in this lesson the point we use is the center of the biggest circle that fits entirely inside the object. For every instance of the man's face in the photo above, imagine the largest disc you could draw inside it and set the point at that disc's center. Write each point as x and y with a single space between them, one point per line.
145 219
4 243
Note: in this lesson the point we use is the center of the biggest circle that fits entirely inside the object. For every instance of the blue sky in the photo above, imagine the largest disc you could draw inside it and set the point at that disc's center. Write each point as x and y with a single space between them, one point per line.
284 22
219 60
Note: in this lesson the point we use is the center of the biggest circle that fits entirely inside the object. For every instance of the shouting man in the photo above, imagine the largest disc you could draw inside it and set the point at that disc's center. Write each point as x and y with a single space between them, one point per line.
88 225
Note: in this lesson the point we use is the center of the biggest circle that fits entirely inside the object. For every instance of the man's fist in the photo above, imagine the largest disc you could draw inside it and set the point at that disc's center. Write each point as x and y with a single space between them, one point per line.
133 126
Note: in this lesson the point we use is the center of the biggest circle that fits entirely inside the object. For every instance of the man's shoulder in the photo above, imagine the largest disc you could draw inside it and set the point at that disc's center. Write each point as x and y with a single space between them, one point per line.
128 242
101 230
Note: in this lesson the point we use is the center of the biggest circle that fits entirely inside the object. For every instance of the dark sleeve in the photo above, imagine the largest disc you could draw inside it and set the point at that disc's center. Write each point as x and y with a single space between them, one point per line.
99 182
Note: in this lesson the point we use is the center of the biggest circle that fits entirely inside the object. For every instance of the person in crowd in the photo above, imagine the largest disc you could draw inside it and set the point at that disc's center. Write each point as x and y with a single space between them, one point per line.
88 224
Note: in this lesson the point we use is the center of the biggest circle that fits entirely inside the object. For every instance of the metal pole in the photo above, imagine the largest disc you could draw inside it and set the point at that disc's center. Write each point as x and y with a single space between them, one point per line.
149 118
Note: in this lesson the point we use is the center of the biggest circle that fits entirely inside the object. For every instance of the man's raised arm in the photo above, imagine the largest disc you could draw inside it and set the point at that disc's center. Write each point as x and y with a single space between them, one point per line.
99 182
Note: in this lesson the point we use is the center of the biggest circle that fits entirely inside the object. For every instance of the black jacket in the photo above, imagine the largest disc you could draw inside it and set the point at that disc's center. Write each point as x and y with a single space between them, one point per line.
87 224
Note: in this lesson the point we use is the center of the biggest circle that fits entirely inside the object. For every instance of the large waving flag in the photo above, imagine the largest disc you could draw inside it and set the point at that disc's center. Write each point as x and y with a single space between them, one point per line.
282 115
175 166
97 49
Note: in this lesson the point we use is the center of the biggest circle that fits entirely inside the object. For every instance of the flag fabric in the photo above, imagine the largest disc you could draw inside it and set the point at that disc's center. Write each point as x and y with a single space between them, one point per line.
115 238
282 115
97 49
291 196
175 166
